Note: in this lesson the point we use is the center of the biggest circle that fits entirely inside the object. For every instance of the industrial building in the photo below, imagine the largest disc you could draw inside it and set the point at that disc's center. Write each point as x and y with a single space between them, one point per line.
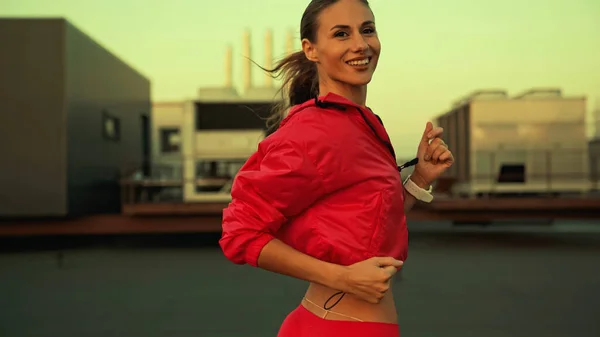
73 116
594 148
167 117
534 142
200 144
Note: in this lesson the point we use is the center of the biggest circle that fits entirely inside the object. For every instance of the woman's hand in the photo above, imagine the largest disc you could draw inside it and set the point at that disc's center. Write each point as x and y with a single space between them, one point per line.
369 279
434 157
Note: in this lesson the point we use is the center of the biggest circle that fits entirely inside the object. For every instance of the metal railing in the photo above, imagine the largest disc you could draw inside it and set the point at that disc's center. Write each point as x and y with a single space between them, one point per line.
165 181
502 170
551 171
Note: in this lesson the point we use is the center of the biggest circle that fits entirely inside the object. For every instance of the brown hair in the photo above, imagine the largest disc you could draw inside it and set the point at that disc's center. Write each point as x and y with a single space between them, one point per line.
299 74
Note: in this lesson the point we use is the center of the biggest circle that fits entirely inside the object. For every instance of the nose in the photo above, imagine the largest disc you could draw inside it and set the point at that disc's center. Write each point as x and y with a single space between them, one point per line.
359 43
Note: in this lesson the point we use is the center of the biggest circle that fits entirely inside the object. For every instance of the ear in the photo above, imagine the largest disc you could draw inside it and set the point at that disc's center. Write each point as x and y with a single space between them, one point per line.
309 50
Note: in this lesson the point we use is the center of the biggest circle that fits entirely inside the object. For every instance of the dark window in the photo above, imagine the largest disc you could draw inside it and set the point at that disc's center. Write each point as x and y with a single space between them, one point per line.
111 127
232 116
170 140
512 173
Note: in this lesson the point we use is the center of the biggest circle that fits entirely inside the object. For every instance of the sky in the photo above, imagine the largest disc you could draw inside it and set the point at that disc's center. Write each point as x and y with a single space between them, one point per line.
433 51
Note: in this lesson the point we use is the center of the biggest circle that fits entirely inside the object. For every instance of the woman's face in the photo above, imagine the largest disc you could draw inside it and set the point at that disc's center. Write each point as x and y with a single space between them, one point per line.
347 47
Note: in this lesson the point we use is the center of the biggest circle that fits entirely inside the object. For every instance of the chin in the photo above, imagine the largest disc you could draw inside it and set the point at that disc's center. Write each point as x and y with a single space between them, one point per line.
359 80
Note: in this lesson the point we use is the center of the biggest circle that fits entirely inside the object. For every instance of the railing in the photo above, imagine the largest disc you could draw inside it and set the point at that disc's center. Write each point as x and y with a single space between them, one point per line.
491 171
165 181
141 182
536 171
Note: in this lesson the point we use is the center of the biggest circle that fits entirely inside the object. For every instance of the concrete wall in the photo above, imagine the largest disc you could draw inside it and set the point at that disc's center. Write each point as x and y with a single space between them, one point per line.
98 84
226 144
537 123
594 148
457 136
166 115
32 137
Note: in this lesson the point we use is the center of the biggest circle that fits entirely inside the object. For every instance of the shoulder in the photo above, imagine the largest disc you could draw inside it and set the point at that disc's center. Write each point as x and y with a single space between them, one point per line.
314 124
305 128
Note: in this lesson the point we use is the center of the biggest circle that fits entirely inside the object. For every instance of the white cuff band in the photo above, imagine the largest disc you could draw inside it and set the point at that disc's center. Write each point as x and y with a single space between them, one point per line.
417 192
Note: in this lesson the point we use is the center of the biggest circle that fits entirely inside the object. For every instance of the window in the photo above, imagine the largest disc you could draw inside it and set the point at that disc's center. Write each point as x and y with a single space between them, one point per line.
170 140
512 173
111 128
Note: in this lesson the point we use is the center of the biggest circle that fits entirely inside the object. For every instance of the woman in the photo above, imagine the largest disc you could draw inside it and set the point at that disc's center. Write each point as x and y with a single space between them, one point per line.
322 199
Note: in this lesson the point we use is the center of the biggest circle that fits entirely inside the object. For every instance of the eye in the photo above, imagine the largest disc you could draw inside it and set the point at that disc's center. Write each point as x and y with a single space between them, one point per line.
369 30
340 33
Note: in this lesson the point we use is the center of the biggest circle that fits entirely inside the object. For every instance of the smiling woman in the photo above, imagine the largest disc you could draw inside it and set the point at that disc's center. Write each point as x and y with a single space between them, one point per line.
322 199
337 36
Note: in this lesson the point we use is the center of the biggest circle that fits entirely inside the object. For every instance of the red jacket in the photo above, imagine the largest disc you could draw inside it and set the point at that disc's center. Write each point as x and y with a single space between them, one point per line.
323 183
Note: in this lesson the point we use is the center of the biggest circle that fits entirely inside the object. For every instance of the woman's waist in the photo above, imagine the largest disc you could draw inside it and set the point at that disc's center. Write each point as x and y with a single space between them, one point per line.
319 298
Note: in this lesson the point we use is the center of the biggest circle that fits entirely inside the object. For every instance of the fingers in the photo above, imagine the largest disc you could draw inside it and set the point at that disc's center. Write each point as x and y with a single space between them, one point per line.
384 285
371 279
439 150
438 145
428 129
388 273
429 136
446 157
376 292
435 133
390 270
387 261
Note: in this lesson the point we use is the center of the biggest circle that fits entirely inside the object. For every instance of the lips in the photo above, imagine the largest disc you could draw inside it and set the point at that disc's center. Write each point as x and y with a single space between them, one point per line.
360 62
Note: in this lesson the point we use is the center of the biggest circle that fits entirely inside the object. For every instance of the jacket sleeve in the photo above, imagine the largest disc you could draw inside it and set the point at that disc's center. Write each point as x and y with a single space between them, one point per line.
270 188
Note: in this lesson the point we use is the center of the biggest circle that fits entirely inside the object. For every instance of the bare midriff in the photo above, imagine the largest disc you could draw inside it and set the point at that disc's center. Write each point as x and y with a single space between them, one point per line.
350 308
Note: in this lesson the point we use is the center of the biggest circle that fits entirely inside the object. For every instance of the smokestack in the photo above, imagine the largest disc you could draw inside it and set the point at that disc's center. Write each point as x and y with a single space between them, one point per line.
289 43
247 64
596 117
268 57
229 67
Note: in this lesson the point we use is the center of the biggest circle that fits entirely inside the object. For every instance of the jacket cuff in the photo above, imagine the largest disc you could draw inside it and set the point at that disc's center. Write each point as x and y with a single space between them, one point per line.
253 250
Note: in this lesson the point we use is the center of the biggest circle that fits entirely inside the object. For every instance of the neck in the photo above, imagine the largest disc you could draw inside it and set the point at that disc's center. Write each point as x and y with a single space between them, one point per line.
356 94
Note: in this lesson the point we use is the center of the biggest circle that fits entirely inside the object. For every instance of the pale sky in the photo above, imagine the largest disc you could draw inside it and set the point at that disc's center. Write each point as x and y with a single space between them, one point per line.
433 51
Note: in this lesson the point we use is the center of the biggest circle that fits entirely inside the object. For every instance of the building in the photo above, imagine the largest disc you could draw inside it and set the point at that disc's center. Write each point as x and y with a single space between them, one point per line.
594 148
534 142
218 138
200 144
167 119
596 119
73 116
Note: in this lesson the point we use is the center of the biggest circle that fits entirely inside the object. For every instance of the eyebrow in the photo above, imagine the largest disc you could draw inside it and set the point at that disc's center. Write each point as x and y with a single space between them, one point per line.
347 27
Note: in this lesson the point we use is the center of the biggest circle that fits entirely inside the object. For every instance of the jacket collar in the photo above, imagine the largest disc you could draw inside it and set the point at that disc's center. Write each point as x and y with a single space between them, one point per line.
337 102
337 99
328 101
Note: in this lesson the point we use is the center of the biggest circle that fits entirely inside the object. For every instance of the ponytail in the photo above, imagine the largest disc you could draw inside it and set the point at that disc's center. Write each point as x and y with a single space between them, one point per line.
300 84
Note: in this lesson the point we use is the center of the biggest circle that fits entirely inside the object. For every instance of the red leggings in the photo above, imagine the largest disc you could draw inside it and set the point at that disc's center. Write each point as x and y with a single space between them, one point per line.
303 323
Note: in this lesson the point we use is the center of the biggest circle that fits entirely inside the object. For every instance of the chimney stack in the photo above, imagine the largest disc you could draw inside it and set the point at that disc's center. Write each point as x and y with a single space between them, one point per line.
247 53
229 67
596 117
268 57
289 42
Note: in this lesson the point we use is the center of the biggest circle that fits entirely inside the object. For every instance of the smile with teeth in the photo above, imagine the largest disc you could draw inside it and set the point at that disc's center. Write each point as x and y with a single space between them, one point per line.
362 62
